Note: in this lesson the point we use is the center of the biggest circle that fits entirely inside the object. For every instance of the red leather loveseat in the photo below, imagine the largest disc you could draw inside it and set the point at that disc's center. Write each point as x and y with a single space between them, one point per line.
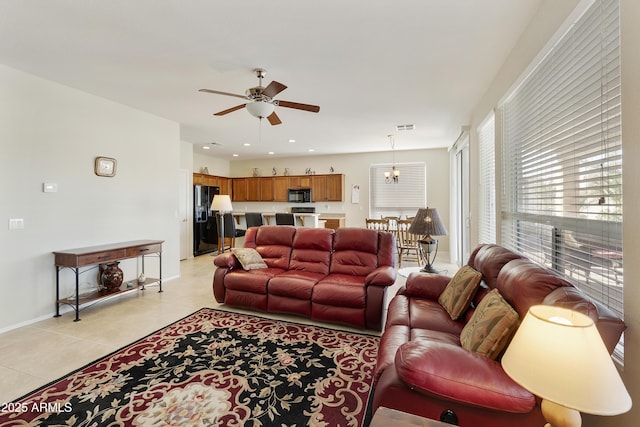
338 276
422 367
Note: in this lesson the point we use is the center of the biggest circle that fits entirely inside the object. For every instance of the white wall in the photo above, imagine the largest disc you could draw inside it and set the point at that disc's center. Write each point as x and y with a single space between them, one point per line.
355 167
52 133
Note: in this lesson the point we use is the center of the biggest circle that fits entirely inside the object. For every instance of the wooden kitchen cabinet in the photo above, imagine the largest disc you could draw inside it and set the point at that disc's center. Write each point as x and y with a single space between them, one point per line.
319 188
281 189
335 188
328 188
266 190
240 189
300 181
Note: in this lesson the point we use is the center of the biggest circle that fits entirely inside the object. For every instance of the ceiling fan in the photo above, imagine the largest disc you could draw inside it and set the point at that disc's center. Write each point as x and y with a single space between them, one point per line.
261 103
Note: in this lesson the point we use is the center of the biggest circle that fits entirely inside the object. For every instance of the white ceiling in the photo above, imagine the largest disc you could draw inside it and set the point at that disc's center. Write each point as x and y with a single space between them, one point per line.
369 64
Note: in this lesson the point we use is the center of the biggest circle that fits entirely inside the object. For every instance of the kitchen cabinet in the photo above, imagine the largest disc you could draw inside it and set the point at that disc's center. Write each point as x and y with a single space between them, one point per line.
280 189
213 180
266 190
303 181
328 188
240 190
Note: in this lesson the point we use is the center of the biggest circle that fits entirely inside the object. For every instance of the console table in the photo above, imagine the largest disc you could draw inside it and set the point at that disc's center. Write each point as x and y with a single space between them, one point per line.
103 254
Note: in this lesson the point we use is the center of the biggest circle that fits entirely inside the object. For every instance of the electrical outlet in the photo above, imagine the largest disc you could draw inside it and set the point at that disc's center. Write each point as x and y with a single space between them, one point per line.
16 224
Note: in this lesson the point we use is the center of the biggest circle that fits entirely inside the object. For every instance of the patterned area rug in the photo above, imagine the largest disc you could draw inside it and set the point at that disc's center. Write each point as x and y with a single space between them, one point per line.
214 368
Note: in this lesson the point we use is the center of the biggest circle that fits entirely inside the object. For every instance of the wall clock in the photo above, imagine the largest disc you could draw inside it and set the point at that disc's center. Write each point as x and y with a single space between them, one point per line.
105 166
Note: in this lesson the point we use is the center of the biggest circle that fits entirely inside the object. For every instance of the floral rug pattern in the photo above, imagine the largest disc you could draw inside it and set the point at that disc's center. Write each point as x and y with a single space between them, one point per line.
215 368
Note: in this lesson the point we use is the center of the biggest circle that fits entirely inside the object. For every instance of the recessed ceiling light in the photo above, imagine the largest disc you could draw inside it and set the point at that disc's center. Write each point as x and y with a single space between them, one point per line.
235 155
206 147
270 152
246 144
311 149
292 140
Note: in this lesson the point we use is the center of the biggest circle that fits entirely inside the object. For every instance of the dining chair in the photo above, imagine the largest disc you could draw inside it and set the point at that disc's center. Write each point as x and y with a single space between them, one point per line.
285 219
254 219
377 224
407 243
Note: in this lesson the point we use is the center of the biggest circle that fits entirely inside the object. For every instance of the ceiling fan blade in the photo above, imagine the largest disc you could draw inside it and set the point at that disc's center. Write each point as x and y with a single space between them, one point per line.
274 119
273 89
230 110
217 92
298 106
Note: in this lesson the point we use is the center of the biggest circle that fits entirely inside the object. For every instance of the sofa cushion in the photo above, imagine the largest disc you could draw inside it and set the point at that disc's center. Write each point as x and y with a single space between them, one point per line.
294 284
428 314
250 280
274 243
489 260
355 251
340 290
312 250
524 283
458 294
249 258
491 326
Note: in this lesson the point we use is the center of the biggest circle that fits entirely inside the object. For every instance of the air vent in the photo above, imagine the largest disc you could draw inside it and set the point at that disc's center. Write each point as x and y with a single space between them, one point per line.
405 127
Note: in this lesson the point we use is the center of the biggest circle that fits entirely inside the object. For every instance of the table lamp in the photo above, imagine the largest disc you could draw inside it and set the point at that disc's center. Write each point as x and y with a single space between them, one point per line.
427 223
558 355
222 204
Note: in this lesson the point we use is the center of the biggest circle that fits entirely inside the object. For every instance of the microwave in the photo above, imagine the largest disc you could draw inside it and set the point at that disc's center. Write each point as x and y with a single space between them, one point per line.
299 195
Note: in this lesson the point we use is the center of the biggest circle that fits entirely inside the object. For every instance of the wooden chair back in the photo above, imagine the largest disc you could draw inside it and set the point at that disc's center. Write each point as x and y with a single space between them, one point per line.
377 224
408 247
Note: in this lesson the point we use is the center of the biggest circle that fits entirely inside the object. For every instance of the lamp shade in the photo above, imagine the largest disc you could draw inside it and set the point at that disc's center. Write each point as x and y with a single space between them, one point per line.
222 203
428 223
260 108
558 355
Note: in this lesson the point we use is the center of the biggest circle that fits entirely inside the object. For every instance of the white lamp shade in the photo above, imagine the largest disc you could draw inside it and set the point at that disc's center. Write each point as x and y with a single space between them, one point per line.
260 108
222 203
558 355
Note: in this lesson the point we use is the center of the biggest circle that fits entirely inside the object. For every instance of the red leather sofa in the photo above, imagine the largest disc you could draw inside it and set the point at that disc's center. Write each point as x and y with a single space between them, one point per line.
422 367
338 276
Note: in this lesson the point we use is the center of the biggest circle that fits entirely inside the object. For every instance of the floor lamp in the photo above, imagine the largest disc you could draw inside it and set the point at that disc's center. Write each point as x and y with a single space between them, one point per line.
427 223
222 204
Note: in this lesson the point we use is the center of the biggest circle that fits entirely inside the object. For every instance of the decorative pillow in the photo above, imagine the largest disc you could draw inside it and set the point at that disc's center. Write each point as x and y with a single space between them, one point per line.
249 258
490 327
458 294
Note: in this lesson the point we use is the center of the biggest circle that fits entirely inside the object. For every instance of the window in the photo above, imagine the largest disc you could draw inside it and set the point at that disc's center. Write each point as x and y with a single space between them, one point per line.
562 158
487 182
401 199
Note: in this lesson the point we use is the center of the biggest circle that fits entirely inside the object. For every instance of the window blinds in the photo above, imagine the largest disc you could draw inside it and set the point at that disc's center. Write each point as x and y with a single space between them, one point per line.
562 158
401 199
487 182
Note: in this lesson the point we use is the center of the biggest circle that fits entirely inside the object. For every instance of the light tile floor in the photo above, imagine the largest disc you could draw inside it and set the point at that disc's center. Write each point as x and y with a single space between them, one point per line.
34 355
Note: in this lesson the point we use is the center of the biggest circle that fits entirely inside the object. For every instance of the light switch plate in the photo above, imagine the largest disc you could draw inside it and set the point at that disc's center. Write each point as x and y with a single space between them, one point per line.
49 187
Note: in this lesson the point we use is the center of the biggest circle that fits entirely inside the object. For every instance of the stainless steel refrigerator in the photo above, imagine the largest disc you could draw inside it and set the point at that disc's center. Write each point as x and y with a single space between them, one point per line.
205 233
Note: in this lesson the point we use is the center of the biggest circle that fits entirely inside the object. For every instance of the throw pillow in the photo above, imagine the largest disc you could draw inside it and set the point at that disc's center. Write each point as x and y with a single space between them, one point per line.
457 296
490 327
249 258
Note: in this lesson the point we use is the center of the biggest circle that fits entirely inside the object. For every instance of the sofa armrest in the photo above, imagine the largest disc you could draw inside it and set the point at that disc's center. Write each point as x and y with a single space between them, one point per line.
381 276
426 285
451 372
226 259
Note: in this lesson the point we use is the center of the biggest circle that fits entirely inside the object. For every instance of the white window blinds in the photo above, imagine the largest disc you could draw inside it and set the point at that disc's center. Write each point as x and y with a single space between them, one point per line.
487 181
562 158
401 199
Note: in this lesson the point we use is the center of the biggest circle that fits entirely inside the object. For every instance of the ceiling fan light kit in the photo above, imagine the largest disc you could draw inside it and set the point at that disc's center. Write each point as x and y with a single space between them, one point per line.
260 109
260 100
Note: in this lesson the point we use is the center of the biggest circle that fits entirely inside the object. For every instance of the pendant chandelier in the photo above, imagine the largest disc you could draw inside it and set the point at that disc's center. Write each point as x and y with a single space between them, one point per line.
392 176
